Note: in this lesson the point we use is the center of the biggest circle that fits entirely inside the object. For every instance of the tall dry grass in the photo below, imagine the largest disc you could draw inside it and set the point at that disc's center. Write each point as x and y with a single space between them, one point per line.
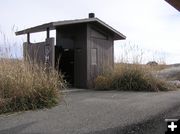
24 86
133 75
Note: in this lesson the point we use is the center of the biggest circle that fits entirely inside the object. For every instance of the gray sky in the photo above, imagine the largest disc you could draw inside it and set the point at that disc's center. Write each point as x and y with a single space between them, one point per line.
153 25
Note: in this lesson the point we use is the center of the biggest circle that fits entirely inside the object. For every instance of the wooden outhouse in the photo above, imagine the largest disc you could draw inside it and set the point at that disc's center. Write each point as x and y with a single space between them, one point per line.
82 50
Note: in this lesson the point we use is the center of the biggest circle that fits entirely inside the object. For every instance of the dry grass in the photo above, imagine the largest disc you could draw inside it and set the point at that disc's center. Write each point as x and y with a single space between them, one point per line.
157 67
131 77
24 86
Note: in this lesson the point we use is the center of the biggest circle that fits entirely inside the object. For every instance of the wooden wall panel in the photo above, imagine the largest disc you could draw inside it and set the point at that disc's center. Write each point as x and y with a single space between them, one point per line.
35 52
77 33
105 57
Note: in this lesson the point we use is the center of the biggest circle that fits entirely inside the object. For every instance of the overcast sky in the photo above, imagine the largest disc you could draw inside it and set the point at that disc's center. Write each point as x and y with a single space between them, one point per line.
153 25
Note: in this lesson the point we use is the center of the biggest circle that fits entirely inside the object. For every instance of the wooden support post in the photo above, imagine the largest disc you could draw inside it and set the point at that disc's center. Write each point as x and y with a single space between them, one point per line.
48 32
28 38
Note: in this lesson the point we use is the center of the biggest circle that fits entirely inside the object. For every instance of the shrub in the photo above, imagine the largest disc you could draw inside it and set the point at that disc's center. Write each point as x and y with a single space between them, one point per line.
27 87
132 78
102 82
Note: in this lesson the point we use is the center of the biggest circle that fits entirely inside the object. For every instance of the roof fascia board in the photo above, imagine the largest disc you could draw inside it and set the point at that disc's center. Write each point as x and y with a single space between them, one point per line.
35 29
68 22
53 25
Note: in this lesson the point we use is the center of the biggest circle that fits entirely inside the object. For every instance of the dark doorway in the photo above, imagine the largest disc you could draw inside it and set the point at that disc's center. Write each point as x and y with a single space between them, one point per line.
64 56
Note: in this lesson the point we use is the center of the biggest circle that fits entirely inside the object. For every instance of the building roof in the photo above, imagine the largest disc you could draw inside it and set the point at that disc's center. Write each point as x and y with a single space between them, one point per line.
174 3
53 25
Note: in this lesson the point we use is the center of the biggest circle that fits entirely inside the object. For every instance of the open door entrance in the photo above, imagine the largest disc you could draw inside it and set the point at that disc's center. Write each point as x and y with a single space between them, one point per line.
64 56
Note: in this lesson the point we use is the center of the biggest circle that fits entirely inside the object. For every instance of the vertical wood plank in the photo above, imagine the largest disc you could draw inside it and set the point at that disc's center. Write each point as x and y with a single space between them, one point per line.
28 38
48 32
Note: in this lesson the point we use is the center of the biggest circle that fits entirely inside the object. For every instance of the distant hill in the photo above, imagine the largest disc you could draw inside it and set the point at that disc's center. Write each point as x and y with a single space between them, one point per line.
175 65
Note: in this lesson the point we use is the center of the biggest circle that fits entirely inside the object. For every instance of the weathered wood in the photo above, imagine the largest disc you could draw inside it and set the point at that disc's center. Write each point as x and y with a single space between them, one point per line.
73 39
102 41
52 25
48 33
49 53
84 49
37 52
35 29
28 37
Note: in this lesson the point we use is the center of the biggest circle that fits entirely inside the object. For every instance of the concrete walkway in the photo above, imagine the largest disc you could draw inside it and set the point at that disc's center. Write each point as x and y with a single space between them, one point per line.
91 111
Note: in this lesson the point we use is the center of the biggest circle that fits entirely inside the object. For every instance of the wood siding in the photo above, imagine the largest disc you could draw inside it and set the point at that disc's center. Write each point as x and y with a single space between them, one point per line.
77 33
101 41
39 52
84 49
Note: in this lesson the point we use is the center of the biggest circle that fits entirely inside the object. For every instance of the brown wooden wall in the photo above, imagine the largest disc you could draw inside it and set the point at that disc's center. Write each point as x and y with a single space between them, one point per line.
91 43
101 40
76 33
40 52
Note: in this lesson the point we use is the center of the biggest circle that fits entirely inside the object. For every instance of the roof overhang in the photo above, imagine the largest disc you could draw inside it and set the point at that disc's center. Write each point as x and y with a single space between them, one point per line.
53 25
174 3
35 29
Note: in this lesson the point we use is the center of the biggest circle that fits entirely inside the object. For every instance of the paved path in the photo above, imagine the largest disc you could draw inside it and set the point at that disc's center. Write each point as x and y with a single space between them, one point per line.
93 112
